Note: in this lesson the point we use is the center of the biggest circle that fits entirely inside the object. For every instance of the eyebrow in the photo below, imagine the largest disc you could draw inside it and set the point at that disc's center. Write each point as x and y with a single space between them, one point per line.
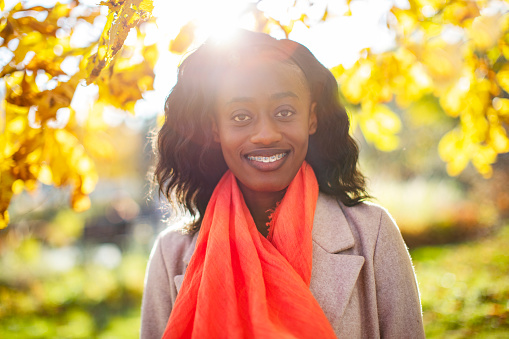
283 95
275 96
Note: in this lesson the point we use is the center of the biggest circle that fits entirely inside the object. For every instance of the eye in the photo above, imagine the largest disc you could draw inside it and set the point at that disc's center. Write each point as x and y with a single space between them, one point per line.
284 113
241 117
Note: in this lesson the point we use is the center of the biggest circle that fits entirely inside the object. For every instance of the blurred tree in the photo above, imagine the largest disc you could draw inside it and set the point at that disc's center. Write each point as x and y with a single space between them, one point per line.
456 51
451 52
41 138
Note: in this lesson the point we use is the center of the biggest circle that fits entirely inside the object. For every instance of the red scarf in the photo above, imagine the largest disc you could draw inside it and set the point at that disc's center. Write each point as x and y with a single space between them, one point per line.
241 285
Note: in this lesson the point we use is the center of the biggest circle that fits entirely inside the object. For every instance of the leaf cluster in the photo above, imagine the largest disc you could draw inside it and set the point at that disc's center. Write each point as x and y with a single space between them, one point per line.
43 140
456 51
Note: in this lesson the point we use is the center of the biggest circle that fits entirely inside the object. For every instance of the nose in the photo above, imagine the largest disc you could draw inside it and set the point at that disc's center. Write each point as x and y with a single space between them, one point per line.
266 132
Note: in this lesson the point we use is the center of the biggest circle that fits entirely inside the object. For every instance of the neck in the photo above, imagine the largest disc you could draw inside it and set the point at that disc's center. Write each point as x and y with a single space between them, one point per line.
260 204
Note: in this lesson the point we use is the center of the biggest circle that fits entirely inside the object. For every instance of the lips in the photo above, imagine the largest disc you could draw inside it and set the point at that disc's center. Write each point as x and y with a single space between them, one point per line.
267 160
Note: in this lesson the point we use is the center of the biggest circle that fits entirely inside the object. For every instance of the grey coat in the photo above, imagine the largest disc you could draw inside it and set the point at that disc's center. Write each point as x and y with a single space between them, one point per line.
362 274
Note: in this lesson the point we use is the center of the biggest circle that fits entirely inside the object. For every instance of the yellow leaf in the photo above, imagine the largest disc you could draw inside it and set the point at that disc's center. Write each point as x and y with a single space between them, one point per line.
460 13
160 119
65 138
4 219
45 176
80 202
146 5
354 81
443 61
84 165
337 71
388 121
26 44
505 51
486 30
13 81
121 18
151 54
499 140
34 156
501 105
58 11
379 126
406 20
503 77
88 185
17 125
17 186
353 120
183 40
30 185
325 14
454 150
482 159
123 86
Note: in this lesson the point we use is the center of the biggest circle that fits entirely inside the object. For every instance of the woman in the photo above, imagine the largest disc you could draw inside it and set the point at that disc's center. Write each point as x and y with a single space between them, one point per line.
255 145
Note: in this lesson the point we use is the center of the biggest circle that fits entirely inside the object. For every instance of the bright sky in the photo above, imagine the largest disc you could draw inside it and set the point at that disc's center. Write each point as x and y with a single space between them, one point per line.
338 40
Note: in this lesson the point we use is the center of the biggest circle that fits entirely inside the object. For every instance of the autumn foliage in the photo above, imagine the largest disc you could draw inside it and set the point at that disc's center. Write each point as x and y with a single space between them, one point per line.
455 52
42 141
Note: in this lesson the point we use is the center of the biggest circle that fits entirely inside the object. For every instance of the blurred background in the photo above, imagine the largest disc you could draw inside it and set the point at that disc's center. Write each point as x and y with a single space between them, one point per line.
83 84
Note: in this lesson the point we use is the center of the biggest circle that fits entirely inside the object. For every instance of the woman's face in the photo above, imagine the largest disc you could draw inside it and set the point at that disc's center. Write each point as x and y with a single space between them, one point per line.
263 122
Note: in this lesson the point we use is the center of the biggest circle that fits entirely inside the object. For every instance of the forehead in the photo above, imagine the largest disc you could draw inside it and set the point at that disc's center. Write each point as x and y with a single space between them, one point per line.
262 77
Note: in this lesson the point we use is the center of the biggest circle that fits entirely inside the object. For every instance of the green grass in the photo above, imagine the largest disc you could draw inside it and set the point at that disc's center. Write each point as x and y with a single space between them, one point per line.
86 301
465 288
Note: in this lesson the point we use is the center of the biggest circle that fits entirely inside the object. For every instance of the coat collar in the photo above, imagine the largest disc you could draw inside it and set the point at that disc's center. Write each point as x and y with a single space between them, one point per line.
330 227
190 250
334 274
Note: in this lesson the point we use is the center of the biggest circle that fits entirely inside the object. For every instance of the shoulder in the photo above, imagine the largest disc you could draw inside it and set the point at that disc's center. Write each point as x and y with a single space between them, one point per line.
174 238
376 229
360 224
167 261
366 212
173 245
366 215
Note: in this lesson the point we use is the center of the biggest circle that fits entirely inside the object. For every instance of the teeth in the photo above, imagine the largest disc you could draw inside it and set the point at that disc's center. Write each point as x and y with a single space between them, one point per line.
272 158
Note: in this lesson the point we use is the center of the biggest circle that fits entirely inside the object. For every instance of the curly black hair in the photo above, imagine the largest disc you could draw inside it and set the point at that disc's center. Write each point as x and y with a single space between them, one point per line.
189 164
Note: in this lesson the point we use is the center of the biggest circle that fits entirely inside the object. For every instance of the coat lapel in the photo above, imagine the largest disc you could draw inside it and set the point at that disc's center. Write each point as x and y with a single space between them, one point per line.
334 274
178 279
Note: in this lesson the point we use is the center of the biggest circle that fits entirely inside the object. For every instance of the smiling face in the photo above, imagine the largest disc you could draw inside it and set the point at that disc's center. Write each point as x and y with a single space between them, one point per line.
264 116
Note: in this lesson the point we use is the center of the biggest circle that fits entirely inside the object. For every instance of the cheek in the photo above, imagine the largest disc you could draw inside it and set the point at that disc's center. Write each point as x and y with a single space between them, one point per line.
230 140
299 137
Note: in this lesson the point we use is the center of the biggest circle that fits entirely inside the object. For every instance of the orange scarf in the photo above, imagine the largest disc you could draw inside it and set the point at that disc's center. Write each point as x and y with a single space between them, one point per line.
241 285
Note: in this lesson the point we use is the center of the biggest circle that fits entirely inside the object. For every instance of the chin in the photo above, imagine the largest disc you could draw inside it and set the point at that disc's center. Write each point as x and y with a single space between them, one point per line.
271 189
267 187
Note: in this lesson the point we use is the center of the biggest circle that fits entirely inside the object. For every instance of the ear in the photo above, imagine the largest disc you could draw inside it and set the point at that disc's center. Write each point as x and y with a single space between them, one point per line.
313 122
215 131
